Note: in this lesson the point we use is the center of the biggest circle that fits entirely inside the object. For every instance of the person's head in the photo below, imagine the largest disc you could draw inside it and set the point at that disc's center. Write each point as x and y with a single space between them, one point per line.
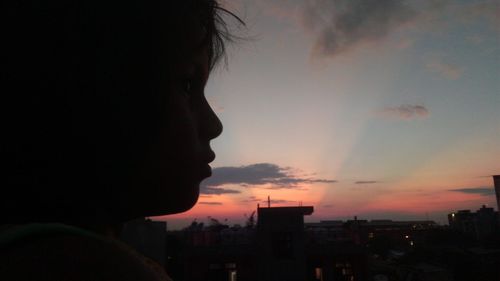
103 107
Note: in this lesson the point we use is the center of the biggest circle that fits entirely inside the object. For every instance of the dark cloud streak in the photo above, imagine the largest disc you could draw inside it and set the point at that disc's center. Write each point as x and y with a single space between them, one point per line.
484 191
210 203
405 112
280 201
254 175
217 191
253 199
365 182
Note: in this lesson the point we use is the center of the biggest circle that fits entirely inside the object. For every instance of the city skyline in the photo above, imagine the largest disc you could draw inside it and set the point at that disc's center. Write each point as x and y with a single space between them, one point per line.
375 109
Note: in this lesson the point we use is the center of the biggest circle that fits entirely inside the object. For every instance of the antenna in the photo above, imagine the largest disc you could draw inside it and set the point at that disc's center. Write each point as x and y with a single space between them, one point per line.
268 201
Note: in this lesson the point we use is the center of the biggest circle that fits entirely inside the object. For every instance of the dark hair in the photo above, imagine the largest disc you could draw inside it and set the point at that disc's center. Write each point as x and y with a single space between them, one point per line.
212 19
72 75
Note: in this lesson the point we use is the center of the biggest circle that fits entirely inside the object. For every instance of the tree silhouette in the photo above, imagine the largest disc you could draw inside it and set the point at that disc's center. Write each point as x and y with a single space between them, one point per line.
250 223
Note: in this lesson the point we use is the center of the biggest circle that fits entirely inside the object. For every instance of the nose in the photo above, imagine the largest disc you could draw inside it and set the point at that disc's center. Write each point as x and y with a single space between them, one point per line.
212 126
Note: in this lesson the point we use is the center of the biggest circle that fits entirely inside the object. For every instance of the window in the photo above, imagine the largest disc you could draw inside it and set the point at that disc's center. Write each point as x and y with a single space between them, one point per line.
318 272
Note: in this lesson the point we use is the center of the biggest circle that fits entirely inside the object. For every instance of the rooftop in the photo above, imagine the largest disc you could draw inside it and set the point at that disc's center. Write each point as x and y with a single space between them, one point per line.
300 210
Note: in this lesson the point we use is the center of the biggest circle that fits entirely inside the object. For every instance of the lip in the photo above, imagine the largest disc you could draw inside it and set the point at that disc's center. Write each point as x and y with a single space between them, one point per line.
206 171
209 157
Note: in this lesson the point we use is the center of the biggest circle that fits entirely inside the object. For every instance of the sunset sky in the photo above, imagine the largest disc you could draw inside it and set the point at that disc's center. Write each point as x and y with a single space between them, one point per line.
379 109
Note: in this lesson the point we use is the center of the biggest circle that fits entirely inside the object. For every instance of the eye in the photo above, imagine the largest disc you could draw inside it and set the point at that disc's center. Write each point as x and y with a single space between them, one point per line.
187 86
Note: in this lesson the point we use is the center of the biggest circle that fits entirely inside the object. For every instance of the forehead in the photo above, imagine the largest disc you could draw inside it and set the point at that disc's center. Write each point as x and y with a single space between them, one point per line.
196 38
186 34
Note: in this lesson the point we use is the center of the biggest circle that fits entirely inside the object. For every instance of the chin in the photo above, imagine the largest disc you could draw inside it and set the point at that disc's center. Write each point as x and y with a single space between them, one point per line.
181 199
185 204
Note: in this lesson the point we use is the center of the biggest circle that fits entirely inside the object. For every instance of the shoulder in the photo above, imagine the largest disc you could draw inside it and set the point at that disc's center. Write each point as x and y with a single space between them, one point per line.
69 256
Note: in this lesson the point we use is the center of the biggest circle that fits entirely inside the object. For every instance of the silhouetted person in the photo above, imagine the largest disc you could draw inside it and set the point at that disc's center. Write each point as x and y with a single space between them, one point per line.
103 119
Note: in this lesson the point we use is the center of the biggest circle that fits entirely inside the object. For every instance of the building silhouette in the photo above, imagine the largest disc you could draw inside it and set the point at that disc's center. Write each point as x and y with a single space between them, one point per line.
462 220
281 243
496 181
279 247
481 224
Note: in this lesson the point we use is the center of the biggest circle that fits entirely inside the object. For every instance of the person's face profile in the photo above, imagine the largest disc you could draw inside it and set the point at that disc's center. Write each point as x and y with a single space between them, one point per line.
112 105
178 160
